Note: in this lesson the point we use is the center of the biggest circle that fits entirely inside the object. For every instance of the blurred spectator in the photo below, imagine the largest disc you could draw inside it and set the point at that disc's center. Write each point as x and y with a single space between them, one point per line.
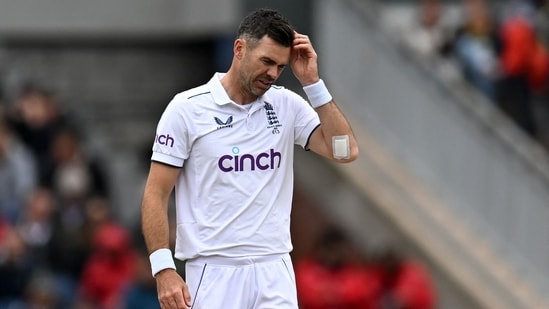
524 63
36 117
18 175
69 248
141 293
332 278
406 284
427 34
542 20
74 175
36 225
109 270
72 242
97 213
474 46
40 293
74 181
15 266
541 97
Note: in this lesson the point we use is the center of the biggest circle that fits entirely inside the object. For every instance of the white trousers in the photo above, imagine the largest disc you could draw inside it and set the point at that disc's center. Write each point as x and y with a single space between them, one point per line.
266 282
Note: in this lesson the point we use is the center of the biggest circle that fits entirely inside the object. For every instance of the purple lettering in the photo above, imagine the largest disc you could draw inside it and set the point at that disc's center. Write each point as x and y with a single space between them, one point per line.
222 166
258 161
249 162
240 166
275 154
166 140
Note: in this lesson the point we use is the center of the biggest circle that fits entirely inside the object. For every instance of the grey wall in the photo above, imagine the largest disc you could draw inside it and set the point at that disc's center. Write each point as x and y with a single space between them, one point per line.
116 17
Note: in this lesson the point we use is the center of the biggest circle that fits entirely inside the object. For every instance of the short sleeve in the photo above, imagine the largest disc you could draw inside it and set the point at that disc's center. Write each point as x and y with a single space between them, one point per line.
171 142
306 119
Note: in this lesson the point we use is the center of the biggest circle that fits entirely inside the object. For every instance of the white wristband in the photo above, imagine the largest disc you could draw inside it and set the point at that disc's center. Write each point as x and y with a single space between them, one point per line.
318 94
161 259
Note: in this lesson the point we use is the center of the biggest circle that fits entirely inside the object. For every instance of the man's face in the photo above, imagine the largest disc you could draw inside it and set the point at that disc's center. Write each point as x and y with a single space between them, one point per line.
261 65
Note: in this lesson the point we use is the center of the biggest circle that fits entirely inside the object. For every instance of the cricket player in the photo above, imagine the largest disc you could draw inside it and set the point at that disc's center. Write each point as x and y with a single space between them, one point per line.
227 148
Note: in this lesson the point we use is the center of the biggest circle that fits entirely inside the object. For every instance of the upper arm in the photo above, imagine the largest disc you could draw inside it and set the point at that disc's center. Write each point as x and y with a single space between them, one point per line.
161 180
317 143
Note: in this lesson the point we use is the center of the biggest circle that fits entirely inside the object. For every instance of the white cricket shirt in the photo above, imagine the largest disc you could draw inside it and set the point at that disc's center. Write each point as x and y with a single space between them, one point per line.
234 192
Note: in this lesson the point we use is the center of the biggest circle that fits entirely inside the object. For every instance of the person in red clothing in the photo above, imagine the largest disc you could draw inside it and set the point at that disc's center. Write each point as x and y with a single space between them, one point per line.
524 62
109 270
331 278
406 283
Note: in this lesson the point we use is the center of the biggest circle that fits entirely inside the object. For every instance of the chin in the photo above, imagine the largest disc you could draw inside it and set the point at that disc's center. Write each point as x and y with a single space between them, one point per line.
260 91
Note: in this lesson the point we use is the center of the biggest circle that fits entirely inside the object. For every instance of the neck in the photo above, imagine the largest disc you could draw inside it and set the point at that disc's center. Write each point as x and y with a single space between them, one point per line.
235 92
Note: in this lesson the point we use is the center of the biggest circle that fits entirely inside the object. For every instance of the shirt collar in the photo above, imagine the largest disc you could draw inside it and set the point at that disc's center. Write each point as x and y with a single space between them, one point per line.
219 94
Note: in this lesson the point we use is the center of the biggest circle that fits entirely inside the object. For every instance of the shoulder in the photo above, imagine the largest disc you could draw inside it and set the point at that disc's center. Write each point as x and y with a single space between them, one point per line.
277 90
187 100
282 94
191 94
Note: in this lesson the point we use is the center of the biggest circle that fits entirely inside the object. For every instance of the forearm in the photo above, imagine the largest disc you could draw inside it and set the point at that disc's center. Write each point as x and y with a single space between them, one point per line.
155 223
333 124
170 286
334 138
155 227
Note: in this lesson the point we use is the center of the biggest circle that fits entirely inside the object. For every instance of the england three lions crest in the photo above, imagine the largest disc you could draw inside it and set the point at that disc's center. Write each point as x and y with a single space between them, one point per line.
272 118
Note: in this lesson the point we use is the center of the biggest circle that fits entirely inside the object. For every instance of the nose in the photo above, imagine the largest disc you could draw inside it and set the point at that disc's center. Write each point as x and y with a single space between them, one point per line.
273 72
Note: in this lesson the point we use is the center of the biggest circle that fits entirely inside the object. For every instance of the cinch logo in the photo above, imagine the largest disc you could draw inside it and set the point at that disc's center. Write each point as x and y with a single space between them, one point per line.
165 140
249 162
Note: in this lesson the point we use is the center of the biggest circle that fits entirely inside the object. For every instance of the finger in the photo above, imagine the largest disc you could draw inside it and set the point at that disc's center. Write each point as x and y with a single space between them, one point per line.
303 37
297 34
301 40
180 300
303 51
187 296
302 44
169 303
300 37
165 304
180 303
173 304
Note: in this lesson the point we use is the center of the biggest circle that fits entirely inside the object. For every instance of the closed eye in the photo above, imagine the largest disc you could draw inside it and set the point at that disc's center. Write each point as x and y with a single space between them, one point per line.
270 62
267 61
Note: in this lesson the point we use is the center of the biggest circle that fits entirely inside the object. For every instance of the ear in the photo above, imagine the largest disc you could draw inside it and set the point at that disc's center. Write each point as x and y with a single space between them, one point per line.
239 48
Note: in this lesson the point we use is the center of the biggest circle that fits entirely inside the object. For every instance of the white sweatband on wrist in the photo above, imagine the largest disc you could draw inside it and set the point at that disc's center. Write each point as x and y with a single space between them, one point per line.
161 259
318 94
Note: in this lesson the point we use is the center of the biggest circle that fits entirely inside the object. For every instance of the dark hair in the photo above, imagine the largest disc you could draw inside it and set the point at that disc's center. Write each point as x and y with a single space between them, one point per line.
34 89
268 22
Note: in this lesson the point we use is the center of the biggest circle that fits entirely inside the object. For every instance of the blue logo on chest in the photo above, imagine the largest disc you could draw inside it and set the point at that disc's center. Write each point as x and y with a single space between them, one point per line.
224 124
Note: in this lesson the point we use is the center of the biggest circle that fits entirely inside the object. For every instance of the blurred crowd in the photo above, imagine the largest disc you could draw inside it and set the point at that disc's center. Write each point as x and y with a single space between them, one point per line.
60 244
335 275
499 47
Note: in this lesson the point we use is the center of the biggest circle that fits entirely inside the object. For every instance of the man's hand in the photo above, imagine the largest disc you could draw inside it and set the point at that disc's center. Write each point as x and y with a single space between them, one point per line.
173 292
304 60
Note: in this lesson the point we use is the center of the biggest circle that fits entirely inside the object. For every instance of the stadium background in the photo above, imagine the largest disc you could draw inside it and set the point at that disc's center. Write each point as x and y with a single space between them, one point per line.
443 176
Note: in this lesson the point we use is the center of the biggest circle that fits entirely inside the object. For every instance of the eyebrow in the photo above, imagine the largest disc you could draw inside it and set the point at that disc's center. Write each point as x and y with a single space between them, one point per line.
270 60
